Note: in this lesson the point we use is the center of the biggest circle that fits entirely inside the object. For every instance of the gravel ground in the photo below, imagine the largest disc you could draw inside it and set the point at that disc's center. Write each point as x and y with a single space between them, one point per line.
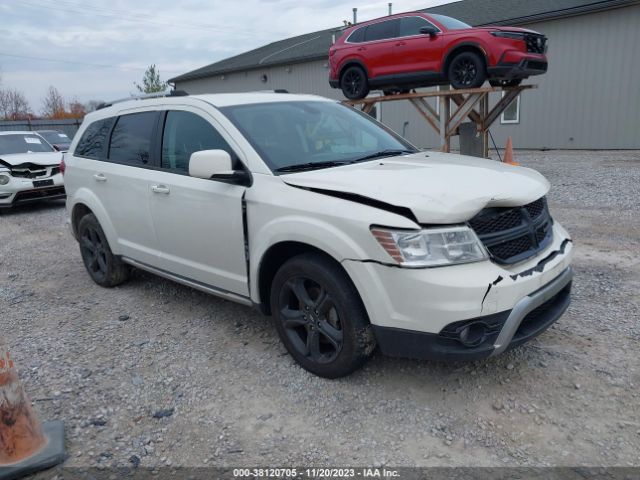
160 374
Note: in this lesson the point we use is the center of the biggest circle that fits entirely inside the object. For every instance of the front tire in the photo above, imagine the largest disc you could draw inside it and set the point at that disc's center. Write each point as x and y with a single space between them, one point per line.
103 266
467 70
354 83
319 316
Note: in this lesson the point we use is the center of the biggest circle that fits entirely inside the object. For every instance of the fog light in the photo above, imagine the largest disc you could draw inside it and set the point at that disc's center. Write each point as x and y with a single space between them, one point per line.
473 334
4 179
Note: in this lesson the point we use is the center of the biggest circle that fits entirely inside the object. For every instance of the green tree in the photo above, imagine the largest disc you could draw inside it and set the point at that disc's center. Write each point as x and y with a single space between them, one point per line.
151 82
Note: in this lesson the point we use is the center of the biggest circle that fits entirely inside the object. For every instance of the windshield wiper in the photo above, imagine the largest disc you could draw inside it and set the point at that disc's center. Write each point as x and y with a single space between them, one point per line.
381 153
310 166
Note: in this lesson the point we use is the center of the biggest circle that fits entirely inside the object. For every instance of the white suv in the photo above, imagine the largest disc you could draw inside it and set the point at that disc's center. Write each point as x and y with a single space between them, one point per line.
318 215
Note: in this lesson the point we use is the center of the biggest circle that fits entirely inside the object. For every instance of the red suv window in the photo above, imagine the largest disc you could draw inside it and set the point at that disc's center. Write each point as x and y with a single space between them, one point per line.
357 36
382 30
410 26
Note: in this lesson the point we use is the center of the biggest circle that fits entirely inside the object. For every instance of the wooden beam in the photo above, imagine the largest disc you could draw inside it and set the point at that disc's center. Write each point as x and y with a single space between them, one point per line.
439 93
445 110
368 107
473 115
500 107
429 114
463 111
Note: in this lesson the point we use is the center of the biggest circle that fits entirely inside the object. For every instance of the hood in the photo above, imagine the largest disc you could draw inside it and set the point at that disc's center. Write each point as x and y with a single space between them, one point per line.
38 158
438 188
507 29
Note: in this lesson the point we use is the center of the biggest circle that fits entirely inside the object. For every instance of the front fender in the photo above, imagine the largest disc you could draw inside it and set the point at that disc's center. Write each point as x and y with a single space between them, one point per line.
301 229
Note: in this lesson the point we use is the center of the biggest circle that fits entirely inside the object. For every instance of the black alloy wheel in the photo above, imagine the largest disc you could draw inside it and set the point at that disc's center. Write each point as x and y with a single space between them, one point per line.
354 83
93 252
311 321
467 70
103 266
320 317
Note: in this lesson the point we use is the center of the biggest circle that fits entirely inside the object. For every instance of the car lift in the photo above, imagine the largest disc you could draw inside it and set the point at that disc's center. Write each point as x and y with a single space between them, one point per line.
447 123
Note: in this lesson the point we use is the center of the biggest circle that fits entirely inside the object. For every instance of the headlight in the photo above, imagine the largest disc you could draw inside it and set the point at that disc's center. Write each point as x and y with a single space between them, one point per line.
512 35
431 247
4 179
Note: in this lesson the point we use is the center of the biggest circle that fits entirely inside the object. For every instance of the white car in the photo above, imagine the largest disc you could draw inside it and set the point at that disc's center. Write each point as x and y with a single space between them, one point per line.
29 169
318 215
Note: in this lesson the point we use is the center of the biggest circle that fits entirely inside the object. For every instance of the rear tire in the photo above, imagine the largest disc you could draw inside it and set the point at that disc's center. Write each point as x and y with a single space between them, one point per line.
466 70
319 316
505 83
354 83
102 265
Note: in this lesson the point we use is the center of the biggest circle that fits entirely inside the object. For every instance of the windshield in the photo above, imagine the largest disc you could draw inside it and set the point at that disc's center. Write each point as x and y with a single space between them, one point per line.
23 143
311 133
450 23
55 137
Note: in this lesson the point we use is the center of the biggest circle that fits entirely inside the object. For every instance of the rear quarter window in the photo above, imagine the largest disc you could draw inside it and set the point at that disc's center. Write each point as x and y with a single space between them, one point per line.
93 143
357 36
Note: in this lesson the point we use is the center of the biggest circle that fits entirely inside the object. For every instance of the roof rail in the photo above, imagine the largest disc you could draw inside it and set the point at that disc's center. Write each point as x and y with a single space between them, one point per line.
172 93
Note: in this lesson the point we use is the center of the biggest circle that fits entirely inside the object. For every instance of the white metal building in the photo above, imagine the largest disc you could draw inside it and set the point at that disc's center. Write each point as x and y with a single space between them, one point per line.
589 99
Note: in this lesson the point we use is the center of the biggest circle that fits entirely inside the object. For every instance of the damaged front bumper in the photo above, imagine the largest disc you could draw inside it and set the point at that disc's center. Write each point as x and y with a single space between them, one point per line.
20 191
465 312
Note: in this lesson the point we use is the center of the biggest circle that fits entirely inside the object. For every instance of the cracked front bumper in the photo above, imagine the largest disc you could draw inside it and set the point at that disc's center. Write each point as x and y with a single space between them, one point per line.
22 190
426 304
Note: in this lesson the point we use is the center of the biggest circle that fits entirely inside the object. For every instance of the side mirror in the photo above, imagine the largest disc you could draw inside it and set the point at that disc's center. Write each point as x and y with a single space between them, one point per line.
429 30
217 165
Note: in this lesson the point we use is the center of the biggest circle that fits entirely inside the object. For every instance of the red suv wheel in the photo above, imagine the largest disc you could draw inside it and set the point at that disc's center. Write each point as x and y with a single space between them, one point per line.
354 83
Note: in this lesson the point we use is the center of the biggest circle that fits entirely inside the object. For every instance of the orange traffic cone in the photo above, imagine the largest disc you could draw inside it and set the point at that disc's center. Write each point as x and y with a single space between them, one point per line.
508 153
25 447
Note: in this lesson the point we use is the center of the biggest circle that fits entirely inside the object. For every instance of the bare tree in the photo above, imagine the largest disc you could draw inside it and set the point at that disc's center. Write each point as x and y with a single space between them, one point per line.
54 104
76 109
14 105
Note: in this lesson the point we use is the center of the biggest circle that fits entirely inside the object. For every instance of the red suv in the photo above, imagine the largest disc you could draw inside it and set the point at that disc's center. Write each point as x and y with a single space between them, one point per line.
412 50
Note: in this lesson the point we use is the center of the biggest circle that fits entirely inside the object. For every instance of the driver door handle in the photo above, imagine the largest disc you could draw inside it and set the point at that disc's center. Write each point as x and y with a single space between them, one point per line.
160 189
399 44
99 177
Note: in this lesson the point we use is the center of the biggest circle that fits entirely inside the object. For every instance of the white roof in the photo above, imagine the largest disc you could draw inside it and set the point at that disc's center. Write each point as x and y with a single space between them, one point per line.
215 99
18 132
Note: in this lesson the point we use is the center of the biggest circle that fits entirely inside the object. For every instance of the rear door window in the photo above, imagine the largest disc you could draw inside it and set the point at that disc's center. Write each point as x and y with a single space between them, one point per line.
382 30
131 139
93 143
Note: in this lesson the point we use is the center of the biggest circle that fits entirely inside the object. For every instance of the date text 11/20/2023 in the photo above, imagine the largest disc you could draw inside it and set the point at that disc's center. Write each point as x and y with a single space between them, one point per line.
315 473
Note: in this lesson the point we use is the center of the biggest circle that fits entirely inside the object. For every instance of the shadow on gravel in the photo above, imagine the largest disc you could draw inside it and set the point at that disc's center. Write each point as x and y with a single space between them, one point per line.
36 207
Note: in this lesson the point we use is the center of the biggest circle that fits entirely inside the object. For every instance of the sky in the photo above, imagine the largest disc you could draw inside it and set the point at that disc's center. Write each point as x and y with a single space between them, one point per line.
97 49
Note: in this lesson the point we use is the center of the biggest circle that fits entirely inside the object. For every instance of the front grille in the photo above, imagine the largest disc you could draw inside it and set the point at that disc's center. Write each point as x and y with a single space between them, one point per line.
30 172
536 208
536 43
512 235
